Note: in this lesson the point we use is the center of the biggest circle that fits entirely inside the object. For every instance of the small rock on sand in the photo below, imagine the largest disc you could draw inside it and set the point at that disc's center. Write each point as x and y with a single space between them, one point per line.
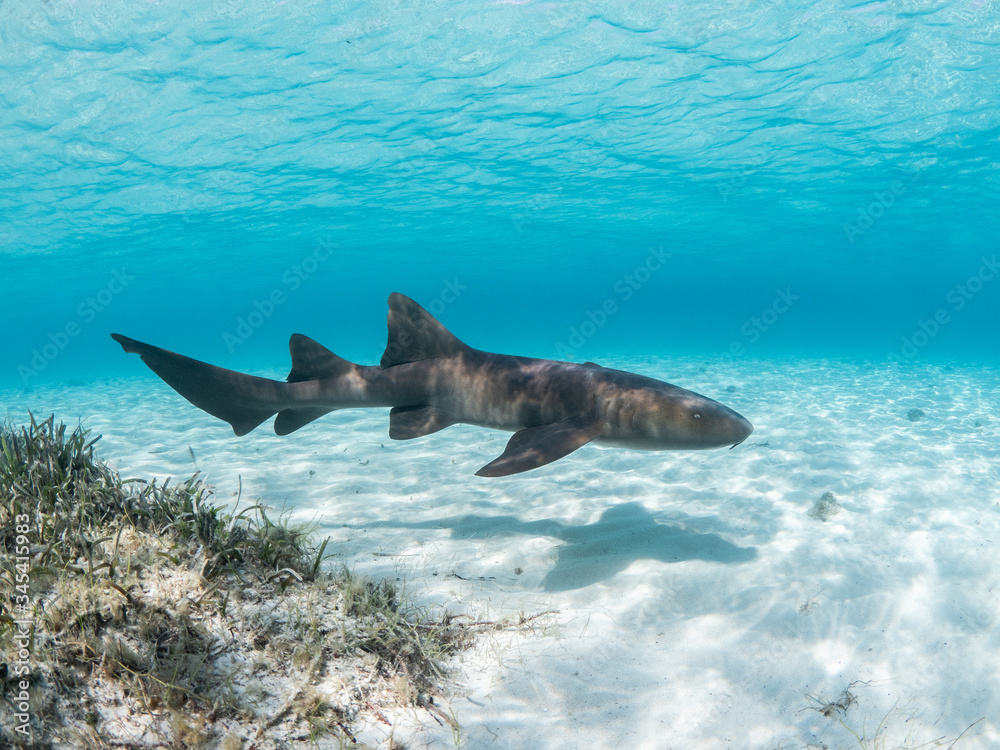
826 507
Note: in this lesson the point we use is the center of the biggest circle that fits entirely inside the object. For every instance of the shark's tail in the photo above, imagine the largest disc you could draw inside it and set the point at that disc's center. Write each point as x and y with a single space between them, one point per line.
245 401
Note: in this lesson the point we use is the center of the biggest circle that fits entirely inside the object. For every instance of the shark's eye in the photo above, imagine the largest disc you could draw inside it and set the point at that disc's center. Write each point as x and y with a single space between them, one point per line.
697 416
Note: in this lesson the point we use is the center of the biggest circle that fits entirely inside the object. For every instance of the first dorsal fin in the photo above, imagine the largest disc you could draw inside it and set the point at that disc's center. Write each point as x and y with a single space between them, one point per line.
312 361
415 334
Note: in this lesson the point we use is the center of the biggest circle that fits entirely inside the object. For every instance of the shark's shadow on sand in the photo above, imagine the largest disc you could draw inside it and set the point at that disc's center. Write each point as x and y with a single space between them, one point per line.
595 552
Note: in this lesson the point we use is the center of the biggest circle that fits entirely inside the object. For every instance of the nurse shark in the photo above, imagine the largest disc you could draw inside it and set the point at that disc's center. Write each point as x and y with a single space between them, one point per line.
431 380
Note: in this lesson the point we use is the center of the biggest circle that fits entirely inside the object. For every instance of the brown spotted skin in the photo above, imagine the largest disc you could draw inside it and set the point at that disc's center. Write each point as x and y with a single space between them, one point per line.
436 380
510 393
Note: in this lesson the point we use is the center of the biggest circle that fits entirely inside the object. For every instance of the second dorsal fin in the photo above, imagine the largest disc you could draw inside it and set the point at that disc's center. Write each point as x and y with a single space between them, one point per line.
415 334
312 361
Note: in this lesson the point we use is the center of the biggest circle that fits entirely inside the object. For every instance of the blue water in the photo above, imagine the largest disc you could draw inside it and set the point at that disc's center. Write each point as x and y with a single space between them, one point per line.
819 179
767 203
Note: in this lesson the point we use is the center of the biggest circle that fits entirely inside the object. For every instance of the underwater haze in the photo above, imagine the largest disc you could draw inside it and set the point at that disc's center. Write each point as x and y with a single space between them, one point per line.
790 208
530 154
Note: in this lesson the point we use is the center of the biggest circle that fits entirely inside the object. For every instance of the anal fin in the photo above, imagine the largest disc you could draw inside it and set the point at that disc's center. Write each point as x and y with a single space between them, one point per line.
289 420
408 422
536 446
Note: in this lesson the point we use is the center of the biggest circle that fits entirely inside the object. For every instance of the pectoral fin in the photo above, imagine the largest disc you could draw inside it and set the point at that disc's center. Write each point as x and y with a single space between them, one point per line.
536 446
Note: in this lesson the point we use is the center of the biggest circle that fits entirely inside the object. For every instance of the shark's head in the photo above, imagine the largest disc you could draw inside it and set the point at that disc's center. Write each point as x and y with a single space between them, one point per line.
672 418
709 424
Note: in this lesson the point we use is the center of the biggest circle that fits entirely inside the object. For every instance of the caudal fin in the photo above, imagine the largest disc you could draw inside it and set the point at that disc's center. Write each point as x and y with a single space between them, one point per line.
245 401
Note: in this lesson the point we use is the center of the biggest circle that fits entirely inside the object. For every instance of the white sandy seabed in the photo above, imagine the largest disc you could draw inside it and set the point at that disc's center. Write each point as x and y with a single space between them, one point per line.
699 604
